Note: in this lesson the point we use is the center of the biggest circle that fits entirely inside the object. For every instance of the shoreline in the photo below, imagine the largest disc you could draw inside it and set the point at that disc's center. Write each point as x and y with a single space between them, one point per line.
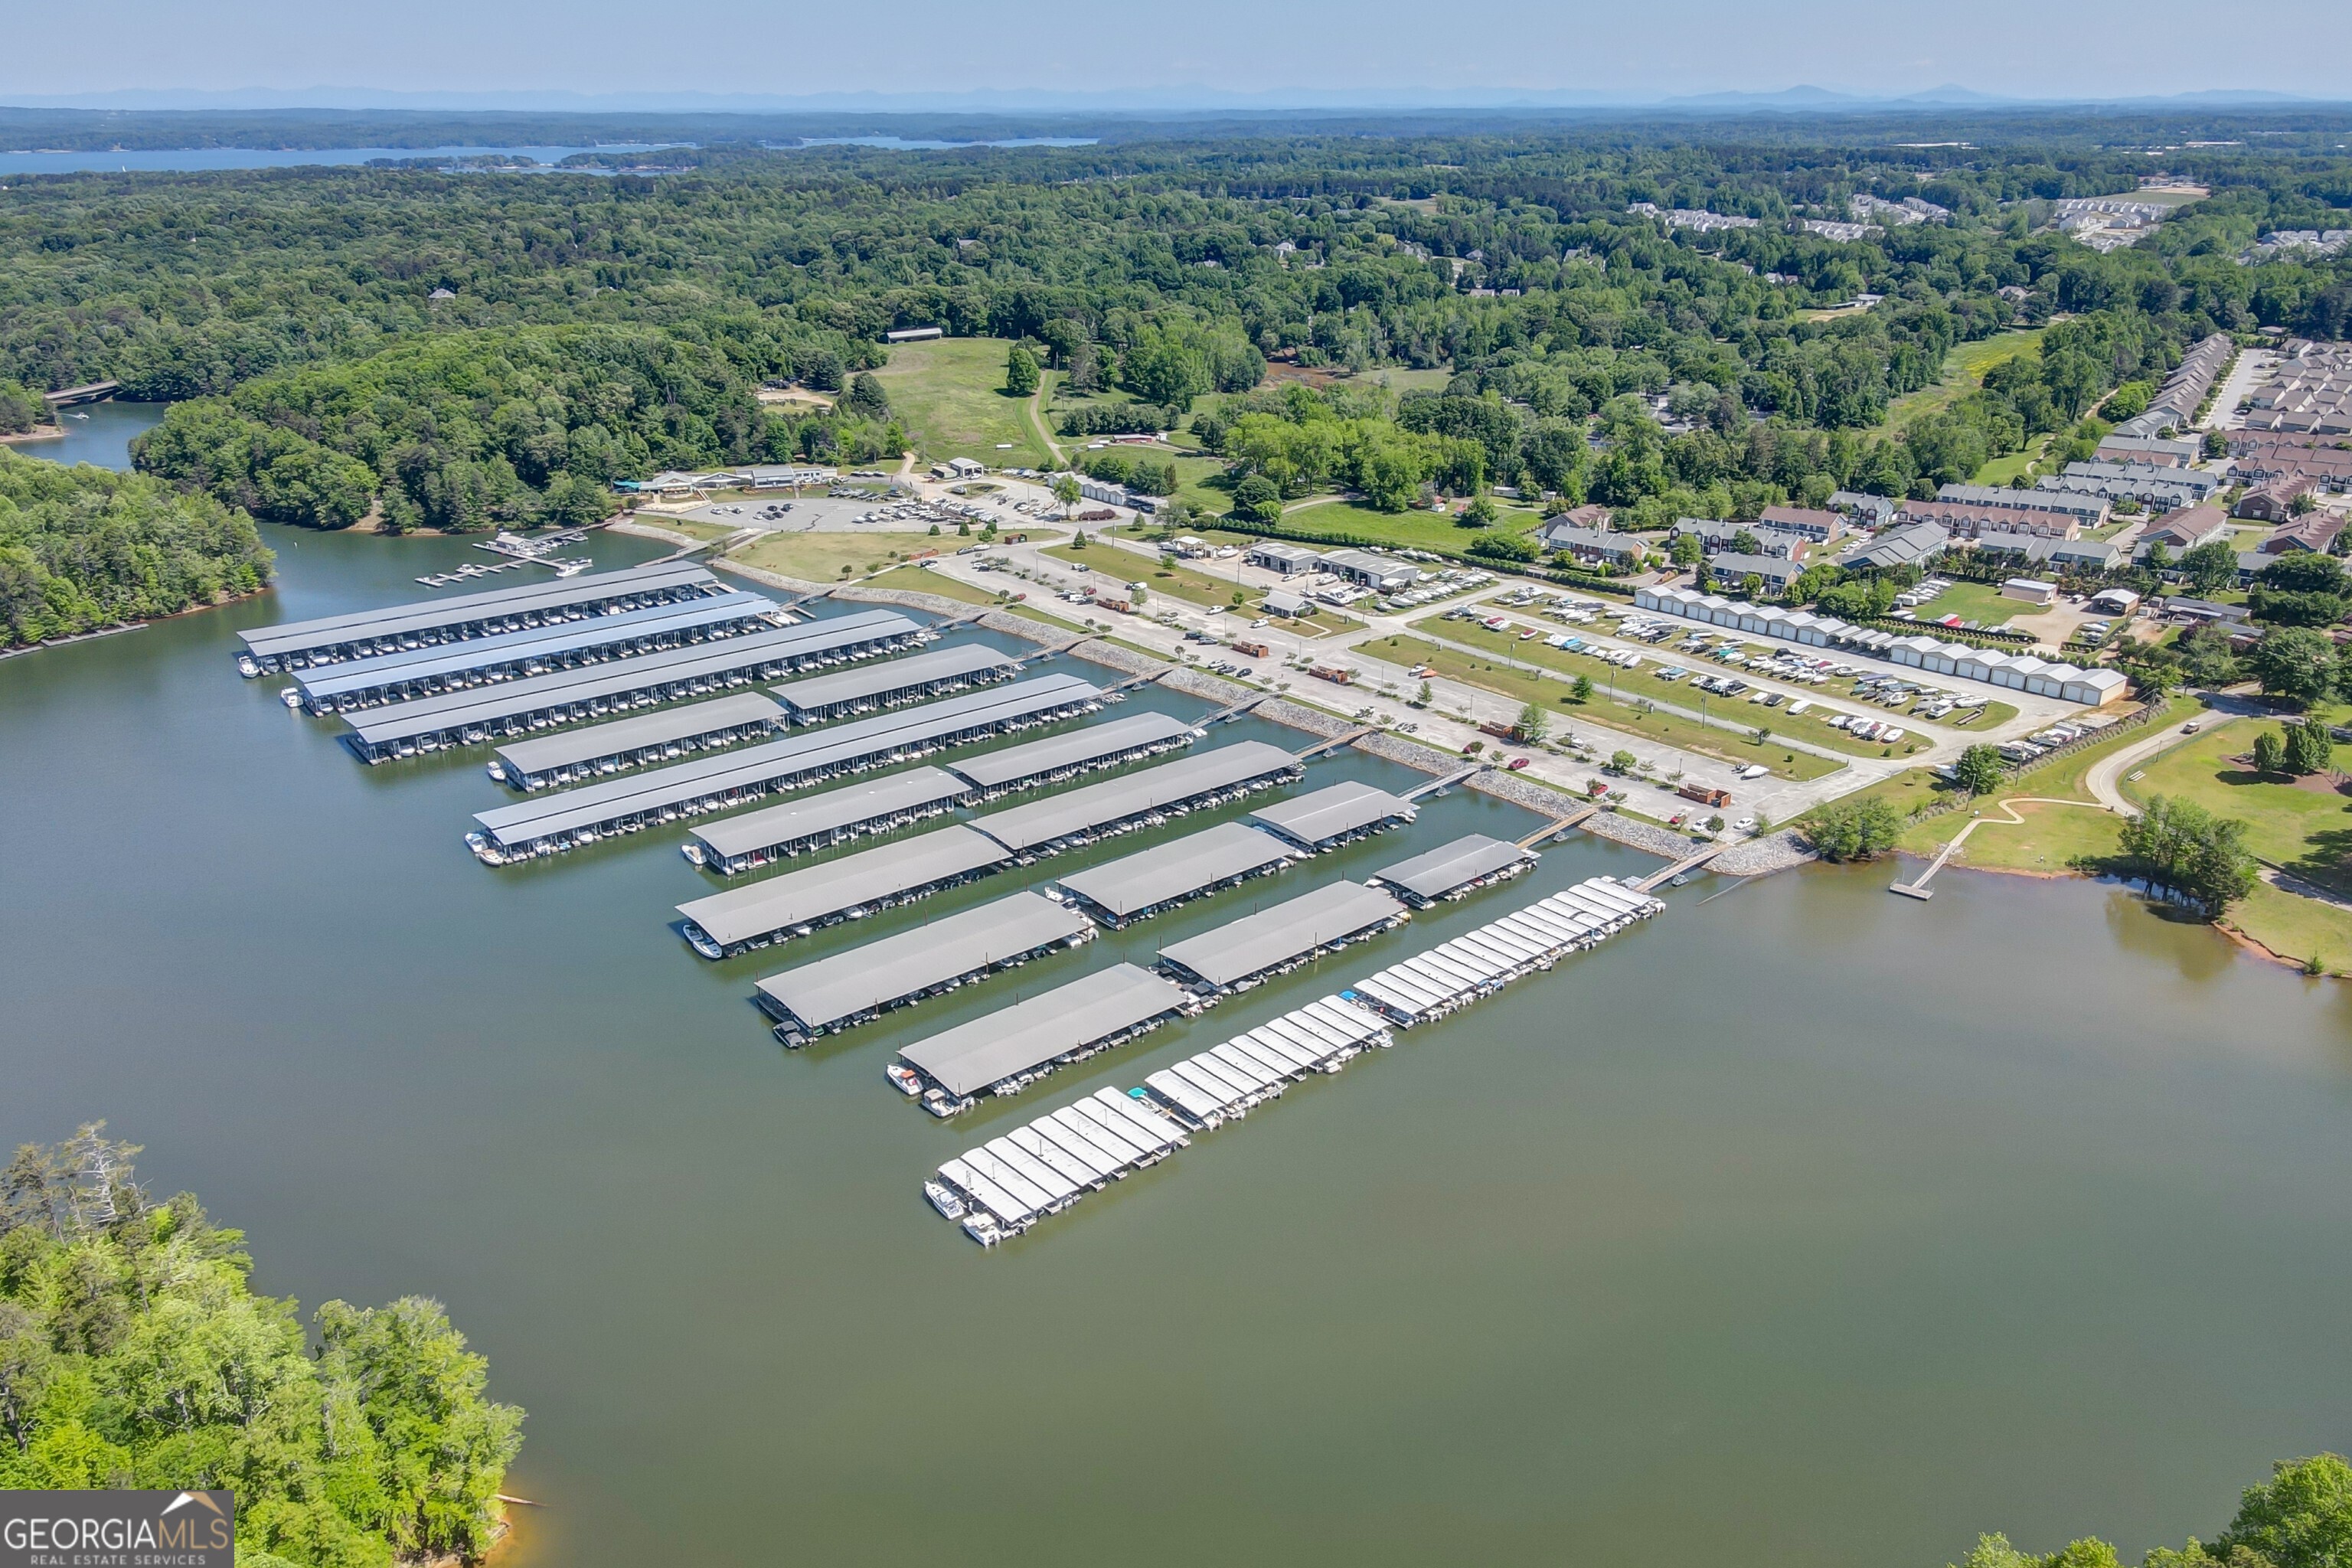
134 626
26 437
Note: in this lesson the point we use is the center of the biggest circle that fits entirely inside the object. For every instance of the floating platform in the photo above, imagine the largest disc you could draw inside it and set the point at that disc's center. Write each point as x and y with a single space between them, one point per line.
1257 947
1144 884
1336 814
1454 871
555 823
361 634
853 693
578 755
777 908
855 987
1009 1049
1008 1184
735 845
517 708
1170 789
430 671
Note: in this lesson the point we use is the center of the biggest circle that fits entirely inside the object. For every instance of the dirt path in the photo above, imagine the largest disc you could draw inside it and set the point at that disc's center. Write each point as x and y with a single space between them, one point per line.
1037 422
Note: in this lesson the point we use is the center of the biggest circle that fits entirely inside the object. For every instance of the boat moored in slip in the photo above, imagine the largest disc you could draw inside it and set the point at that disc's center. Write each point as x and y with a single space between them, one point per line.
950 1206
291 697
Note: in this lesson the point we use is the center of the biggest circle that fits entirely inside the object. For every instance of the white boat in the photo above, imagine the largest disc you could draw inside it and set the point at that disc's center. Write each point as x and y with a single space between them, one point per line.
904 1079
291 697
950 1206
497 772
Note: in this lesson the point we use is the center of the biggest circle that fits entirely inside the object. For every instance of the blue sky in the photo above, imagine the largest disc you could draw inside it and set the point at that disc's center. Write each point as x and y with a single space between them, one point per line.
505 52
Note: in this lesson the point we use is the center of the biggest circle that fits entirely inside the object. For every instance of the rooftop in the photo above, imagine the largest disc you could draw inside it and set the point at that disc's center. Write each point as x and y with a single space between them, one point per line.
1178 869
1290 930
1342 808
823 993
965 660
806 816
1030 1033
546 752
430 615
1011 765
832 886
1115 800
1449 866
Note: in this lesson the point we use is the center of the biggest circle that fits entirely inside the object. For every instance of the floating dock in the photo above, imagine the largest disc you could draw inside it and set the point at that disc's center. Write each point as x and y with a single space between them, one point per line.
854 693
363 683
1144 884
994 1197
1080 816
850 988
1256 948
555 823
1010 1049
332 639
1336 814
735 845
579 756
1060 758
516 708
777 908
1453 870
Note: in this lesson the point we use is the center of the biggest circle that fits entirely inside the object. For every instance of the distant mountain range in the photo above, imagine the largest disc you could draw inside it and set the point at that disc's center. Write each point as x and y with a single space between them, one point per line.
1156 101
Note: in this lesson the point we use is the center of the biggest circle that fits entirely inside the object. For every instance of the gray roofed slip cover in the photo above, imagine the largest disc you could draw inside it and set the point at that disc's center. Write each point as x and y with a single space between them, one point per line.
1030 1033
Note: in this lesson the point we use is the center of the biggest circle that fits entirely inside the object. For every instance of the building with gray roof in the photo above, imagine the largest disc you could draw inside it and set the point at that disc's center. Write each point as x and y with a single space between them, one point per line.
1911 545
1257 946
775 908
1057 758
846 989
1451 870
1141 885
624 743
330 639
1079 815
734 845
1334 815
1009 1047
517 707
936 673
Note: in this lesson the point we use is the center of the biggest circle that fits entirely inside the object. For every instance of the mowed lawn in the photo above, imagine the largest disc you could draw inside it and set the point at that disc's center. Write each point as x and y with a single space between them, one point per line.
1345 519
823 557
2305 827
949 394
1980 602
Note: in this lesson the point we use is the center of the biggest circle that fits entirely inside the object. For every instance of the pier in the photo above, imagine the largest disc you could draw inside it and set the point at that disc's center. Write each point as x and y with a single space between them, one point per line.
1248 951
1336 814
1682 867
578 755
1335 743
853 693
1454 871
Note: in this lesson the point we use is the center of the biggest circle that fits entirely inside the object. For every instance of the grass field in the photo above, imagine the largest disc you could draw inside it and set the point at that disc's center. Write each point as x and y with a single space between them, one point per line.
2307 830
820 557
948 393
1402 530
1126 566
1667 728
1641 682
918 581
1973 601
1964 372
2068 830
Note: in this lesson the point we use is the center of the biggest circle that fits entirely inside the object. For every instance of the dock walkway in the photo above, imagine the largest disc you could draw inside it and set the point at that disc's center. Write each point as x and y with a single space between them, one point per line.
1687 863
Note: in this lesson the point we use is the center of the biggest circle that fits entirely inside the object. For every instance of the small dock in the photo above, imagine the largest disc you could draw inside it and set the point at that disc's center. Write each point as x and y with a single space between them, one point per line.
1147 679
1559 826
1687 863
1346 737
1918 888
1045 652
1234 709
1437 787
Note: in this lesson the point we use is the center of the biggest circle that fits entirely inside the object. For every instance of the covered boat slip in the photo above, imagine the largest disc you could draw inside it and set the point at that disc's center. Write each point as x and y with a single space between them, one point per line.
849 988
1249 949
1451 870
778 907
1061 757
1008 1184
1080 815
516 708
739 843
1334 815
394 676
1143 884
634 741
852 692
299 644
1003 1052
1479 962
555 823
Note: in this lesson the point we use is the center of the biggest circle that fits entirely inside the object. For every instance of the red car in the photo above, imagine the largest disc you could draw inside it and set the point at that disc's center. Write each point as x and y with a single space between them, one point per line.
1518 762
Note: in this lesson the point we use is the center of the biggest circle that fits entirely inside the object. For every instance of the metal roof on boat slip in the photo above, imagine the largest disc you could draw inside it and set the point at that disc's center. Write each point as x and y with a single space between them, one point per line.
772 760
1014 763
537 642
1030 1033
1326 813
1182 866
639 731
1447 867
814 892
490 705
836 808
899 674
1296 926
1114 800
845 984
429 614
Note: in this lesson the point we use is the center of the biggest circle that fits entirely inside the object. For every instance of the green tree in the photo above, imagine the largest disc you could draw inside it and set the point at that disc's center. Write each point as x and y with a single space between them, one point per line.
1853 829
2301 588
2201 858
2205 656
1980 770
1066 490
2210 567
2295 663
1425 696
1622 762
1534 724
2310 748
1257 500
1580 688
1684 550
2269 752
1481 513
2300 1517
1019 371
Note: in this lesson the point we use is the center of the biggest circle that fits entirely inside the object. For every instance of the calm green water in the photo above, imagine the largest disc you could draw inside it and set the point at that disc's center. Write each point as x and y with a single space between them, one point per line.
1801 1226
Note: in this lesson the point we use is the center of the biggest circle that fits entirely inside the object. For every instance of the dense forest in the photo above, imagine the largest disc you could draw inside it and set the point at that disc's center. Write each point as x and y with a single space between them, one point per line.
428 348
82 548
134 1352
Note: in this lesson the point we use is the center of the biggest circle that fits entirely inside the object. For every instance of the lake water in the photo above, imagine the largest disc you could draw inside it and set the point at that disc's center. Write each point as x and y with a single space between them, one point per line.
97 433
185 159
1802 1226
